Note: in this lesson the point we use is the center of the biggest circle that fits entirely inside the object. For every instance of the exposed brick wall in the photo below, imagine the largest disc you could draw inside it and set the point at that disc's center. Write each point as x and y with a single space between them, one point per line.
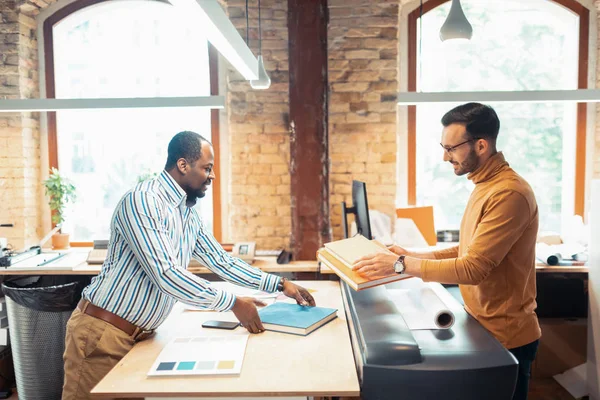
363 72
259 202
20 182
363 77
259 146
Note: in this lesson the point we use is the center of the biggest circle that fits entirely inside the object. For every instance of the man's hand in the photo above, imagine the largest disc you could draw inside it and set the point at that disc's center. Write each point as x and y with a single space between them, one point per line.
298 293
245 311
375 266
399 250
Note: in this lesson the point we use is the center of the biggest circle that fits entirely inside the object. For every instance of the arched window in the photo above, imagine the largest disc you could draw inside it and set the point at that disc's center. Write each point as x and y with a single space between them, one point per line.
516 45
108 49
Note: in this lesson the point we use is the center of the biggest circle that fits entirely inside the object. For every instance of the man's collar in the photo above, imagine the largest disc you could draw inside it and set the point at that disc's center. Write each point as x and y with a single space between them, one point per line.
489 169
174 192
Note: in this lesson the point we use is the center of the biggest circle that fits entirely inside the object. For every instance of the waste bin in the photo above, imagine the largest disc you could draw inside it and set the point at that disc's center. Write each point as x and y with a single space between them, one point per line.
38 309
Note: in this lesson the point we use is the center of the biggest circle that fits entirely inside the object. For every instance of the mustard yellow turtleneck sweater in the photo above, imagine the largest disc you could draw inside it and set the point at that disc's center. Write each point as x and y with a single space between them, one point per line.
494 263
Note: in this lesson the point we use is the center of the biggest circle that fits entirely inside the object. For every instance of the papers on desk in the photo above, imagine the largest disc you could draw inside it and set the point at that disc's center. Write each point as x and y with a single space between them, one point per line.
265 297
202 355
561 254
407 234
422 218
50 261
421 308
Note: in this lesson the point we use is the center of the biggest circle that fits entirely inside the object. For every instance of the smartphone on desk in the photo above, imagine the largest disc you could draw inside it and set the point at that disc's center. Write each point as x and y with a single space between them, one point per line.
220 324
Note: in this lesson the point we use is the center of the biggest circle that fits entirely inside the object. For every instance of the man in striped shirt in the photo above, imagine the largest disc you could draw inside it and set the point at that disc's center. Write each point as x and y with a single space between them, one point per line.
154 232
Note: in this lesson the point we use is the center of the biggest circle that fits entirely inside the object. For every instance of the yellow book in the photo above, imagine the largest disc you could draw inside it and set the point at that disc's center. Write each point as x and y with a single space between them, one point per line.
339 256
351 249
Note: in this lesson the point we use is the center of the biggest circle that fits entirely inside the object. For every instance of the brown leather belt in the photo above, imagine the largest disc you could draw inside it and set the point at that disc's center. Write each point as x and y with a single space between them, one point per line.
132 330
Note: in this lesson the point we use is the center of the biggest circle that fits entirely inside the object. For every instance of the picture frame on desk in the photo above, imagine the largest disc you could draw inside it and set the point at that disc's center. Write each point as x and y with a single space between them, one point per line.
244 251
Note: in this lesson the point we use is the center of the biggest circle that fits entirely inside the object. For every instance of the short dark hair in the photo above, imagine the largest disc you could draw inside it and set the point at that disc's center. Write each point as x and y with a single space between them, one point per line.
481 121
186 144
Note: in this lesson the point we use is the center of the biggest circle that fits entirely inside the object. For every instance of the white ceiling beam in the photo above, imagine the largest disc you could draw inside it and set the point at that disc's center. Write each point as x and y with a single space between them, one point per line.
221 33
30 105
530 96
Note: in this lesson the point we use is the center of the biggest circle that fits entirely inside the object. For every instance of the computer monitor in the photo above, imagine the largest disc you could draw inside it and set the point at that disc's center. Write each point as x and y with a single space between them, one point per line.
360 209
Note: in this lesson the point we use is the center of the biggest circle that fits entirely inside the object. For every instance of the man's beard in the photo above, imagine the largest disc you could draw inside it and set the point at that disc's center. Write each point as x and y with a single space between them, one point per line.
470 164
195 195
201 192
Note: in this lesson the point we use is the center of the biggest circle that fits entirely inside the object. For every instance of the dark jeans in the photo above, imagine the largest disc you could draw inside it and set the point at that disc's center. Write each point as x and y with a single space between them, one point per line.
525 355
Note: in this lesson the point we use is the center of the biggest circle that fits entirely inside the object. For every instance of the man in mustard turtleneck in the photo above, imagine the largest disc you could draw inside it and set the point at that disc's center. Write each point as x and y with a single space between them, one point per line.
494 263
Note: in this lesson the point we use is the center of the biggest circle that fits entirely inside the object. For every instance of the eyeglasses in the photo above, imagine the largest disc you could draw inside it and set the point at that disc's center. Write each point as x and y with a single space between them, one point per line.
451 149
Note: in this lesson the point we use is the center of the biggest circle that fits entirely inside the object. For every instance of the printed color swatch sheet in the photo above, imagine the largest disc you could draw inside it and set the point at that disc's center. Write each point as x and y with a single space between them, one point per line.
201 355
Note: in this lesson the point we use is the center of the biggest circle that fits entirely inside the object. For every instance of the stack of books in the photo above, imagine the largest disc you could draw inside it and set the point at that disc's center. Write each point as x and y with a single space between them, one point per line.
294 318
341 255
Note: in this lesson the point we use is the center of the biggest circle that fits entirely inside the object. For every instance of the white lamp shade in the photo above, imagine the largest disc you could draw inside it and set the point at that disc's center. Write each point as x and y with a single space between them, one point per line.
263 81
456 25
219 31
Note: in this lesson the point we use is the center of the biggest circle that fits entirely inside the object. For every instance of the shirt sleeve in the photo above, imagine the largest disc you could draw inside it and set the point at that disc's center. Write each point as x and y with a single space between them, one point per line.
504 220
142 222
450 252
212 255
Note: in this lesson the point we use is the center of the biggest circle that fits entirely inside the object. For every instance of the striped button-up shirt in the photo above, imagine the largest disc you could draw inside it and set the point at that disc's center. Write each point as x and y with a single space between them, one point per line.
153 235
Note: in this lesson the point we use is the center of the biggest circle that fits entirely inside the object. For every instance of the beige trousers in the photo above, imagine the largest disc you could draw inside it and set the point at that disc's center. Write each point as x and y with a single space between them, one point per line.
92 348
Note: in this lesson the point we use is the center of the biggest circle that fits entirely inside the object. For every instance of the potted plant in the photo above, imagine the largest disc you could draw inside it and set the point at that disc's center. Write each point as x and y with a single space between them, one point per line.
60 192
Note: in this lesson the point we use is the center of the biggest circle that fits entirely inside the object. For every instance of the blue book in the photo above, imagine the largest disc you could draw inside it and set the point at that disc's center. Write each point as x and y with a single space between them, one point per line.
294 318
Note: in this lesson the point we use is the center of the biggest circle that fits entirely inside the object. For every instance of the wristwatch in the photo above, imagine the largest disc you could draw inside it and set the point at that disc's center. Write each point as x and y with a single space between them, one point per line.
399 265
280 285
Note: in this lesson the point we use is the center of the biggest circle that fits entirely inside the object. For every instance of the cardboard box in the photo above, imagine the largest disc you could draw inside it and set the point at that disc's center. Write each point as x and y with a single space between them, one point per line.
563 346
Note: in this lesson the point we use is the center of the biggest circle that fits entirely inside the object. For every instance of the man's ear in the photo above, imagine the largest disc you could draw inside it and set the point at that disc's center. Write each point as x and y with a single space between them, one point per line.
482 146
182 166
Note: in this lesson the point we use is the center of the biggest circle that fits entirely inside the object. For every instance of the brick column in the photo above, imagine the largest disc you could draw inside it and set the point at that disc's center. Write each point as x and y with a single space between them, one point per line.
259 202
363 76
19 132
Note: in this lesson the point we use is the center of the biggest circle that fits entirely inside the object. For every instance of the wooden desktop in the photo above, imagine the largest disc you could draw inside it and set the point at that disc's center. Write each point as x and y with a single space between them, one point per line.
275 364
61 266
267 264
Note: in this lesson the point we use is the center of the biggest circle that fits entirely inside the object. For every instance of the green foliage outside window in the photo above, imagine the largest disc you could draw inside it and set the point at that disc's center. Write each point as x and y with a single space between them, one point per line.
515 46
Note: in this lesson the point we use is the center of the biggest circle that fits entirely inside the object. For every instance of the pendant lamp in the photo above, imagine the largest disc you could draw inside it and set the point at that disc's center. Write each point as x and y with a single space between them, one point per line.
456 25
263 81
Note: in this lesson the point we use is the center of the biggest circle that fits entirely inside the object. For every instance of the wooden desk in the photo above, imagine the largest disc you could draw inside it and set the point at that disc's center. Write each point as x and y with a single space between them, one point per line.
62 266
543 268
540 268
267 264
325 270
275 364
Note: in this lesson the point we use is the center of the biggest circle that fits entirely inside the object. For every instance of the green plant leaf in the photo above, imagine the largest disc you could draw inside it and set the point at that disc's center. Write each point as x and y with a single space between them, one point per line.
60 192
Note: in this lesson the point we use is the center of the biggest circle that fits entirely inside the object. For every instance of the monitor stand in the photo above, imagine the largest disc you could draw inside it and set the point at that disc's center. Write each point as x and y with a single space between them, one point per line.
345 212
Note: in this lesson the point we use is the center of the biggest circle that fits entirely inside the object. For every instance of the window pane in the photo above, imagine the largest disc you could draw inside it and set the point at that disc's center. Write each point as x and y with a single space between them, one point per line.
515 46
124 49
